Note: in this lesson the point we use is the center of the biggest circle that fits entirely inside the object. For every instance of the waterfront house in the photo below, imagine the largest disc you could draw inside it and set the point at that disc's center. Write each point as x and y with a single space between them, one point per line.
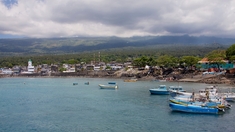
90 67
16 70
97 67
69 68
205 65
54 68
6 71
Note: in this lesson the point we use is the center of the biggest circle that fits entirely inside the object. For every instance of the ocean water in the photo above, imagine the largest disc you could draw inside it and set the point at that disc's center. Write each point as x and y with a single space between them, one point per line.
56 105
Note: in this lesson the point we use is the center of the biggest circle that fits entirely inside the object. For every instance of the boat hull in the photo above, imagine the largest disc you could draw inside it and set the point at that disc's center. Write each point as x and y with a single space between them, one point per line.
158 92
108 86
193 109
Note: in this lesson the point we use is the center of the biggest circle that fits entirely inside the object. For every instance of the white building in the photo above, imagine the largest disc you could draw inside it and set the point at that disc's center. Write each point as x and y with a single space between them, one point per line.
30 66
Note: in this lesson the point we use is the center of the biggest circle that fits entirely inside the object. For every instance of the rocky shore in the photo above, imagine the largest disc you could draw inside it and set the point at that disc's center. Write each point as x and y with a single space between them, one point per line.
143 75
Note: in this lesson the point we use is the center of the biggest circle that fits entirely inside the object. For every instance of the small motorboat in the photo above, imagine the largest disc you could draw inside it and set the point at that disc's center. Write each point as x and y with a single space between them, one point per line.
161 90
108 86
86 83
193 108
75 83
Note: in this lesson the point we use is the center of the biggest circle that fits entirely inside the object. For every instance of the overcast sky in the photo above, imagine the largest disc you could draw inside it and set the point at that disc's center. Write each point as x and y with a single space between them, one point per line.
123 18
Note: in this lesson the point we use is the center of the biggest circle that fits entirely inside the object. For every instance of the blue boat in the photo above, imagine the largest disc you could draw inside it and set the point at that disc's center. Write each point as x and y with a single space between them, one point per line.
197 106
192 108
86 83
161 90
111 82
75 83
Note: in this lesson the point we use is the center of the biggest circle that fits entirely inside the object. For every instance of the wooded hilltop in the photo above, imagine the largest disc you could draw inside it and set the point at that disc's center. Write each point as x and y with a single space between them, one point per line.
168 57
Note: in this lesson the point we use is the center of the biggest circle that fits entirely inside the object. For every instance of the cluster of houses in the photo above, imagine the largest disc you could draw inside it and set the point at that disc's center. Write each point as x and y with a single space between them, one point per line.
45 69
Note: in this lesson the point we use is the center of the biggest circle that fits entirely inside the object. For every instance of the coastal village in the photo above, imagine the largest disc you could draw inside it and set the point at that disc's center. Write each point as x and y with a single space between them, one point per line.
208 73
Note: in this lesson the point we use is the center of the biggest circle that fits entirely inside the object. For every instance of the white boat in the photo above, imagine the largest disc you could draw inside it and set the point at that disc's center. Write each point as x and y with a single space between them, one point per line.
211 91
229 97
174 89
108 86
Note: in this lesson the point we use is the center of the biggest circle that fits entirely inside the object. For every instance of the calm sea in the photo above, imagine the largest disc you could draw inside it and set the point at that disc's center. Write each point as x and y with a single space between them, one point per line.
56 105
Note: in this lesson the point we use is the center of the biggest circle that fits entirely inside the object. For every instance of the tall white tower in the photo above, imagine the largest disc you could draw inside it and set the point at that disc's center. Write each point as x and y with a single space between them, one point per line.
30 66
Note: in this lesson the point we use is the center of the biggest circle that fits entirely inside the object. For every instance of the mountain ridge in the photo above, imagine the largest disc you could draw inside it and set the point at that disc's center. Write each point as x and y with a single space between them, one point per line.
82 44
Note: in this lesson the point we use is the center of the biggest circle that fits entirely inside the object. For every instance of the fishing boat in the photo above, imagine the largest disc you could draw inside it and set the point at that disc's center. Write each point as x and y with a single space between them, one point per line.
108 86
174 89
205 98
230 97
111 82
161 90
193 108
86 83
75 83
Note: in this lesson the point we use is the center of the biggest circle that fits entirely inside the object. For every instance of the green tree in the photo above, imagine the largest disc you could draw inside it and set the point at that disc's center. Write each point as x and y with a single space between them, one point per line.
72 61
167 61
140 62
190 60
230 53
143 61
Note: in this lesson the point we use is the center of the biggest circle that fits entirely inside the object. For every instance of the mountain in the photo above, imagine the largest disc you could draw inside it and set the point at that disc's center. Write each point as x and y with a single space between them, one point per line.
82 44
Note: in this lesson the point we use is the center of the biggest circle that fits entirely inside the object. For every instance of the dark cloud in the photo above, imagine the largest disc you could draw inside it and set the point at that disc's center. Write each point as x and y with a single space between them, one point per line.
36 18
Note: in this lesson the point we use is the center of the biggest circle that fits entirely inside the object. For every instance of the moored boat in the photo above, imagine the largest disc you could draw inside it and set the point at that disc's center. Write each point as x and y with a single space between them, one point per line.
174 89
161 90
108 86
75 83
111 82
192 108
86 83
230 97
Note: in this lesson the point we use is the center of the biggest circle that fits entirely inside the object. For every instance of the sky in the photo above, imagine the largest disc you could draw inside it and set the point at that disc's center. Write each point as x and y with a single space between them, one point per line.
121 18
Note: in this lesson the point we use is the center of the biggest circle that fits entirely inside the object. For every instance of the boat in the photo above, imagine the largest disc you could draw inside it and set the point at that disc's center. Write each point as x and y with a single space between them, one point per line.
197 106
207 96
193 108
130 80
111 82
230 97
219 104
175 89
86 83
75 83
161 90
108 86
211 91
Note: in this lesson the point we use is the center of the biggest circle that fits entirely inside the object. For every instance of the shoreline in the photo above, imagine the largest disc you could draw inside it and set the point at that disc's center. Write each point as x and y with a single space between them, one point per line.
208 79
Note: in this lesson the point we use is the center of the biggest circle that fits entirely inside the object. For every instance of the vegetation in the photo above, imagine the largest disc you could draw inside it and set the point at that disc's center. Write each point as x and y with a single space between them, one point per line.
230 52
141 51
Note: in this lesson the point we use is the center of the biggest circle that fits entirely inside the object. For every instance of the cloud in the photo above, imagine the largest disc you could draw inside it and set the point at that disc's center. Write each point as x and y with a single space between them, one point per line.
124 18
